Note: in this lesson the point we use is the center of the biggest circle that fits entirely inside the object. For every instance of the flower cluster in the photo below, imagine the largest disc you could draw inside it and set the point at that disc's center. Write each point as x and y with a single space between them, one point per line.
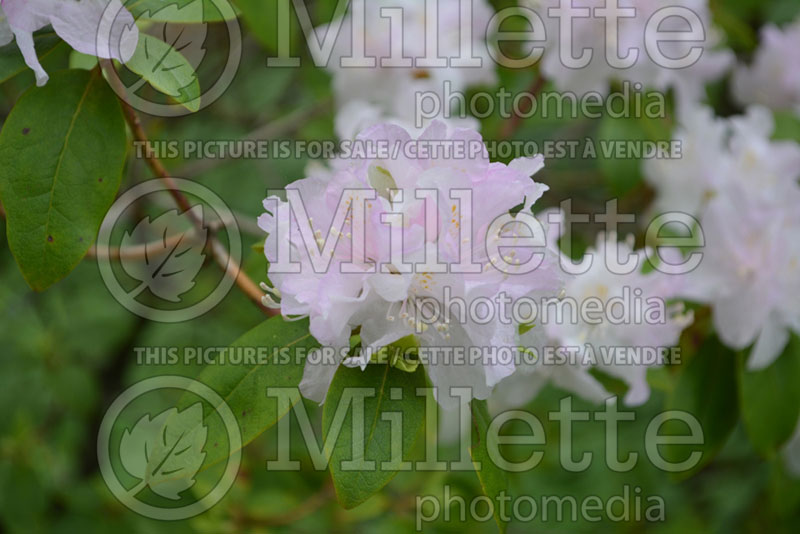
420 229
101 28
603 280
773 78
743 187
382 85
634 33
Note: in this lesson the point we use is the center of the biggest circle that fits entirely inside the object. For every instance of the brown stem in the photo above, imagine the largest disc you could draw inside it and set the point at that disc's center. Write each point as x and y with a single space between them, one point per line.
512 124
221 256
136 252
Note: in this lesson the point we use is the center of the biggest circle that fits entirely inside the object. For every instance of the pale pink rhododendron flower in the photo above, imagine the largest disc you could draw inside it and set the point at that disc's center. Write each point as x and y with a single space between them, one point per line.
590 34
390 296
387 92
773 77
101 28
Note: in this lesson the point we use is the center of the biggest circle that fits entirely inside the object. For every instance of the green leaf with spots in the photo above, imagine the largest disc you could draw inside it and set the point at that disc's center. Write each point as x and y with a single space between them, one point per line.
494 480
283 346
391 395
62 149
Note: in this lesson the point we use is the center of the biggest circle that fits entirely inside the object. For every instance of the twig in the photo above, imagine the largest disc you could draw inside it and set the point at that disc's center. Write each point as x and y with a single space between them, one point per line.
247 223
221 256
136 252
512 124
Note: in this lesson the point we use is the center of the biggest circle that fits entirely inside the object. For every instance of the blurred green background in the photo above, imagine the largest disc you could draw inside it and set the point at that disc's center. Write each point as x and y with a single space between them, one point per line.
67 353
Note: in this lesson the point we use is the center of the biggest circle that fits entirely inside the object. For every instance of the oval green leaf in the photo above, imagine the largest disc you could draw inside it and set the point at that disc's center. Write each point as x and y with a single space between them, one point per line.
392 392
243 387
706 389
493 480
770 400
63 149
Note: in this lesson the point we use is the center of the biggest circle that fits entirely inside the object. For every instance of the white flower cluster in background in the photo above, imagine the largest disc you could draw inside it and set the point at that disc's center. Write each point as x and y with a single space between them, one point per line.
635 31
386 92
601 282
101 28
773 78
743 188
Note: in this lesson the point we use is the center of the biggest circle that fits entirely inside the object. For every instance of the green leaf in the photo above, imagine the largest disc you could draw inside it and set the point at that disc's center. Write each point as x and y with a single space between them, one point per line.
261 17
770 400
11 61
780 11
494 480
243 387
706 389
787 126
63 150
394 392
182 11
167 70
78 60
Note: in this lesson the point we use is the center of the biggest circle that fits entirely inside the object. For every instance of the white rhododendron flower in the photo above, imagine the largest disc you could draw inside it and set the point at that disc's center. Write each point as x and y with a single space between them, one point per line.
384 93
773 77
525 384
79 22
593 343
686 183
636 63
718 154
657 325
750 273
743 187
392 294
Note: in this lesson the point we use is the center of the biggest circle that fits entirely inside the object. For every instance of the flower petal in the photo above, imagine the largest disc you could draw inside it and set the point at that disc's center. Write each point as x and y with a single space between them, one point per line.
96 27
25 44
